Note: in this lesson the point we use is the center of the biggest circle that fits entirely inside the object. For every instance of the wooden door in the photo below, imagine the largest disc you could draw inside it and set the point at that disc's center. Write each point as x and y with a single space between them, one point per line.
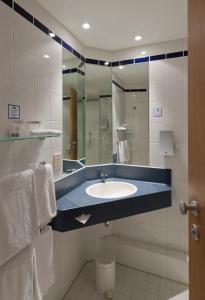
197 145
73 125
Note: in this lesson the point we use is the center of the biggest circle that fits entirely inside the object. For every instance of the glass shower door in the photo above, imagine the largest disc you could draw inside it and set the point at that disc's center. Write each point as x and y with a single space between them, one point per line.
105 129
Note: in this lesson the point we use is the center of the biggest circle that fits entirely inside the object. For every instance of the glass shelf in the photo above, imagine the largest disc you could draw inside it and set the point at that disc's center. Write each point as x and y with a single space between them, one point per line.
30 137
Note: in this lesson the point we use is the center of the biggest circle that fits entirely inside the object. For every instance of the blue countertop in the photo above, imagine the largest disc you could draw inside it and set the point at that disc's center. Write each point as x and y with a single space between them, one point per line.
153 193
79 198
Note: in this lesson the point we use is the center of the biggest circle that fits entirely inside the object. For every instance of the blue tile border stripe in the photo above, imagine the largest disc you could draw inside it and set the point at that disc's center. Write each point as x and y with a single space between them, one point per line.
175 54
118 85
73 70
157 57
67 47
141 59
92 61
41 26
20 10
128 90
127 62
8 2
57 39
105 96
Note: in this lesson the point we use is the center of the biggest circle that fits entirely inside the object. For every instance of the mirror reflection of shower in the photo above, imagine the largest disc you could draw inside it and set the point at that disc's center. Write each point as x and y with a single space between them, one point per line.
130 106
98 114
73 107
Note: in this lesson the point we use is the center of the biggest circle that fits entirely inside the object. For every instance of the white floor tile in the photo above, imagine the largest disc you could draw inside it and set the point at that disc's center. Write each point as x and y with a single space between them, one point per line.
131 284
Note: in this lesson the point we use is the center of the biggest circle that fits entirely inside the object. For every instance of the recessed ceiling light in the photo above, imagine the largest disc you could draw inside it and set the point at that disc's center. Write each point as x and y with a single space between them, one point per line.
46 56
121 67
64 66
143 52
106 63
138 37
52 34
86 26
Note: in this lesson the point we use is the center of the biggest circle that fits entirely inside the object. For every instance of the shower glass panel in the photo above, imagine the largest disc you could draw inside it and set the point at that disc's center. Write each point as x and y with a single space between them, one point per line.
105 130
98 114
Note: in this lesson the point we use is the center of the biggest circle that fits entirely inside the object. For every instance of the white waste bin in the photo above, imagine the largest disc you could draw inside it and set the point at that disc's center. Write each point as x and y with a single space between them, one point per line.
105 274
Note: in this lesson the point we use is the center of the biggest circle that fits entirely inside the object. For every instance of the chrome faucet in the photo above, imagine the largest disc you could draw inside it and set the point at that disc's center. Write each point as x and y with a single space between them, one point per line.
103 176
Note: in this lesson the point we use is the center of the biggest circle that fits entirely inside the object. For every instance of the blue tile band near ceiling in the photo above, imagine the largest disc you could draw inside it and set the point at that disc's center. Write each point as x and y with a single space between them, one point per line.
129 90
73 70
26 15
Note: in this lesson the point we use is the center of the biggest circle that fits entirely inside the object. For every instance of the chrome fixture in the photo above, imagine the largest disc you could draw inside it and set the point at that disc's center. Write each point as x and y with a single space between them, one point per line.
195 232
107 223
193 207
103 176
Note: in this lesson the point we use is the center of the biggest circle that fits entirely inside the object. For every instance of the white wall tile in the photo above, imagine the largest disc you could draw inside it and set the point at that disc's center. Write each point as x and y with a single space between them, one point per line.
42 45
24 97
6 70
23 35
176 239
42 75
176 90
56 142
55 80
157 91
178 266
24 69
56 107
6 97
6 25
56 53
42 105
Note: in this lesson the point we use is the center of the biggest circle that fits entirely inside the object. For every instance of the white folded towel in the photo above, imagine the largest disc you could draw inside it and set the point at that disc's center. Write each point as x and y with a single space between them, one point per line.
123 152
45 194
45 132
18 278
18 215
43 249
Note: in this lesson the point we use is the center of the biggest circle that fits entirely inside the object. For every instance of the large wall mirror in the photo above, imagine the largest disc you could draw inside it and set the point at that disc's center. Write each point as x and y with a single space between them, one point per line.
73 112
98 114
105 113
131 113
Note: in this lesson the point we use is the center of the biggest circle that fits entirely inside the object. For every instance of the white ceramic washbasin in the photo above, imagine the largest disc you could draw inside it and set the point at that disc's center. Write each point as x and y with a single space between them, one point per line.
111 189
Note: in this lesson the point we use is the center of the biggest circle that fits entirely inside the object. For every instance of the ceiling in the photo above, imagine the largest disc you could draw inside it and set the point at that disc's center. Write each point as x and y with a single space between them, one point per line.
114 23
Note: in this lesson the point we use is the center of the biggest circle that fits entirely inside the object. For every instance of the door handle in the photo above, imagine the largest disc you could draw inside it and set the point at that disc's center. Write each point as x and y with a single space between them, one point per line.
83 219
195 232
185 207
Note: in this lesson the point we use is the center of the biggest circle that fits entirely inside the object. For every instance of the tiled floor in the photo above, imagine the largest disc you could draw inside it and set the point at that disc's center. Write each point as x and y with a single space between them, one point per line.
131 284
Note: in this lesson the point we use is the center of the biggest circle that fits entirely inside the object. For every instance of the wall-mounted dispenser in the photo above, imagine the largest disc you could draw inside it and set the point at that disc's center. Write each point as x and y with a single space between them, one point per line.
166 143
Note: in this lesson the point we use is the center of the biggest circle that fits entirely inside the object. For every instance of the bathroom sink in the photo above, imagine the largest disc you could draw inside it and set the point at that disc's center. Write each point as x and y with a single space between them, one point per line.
111 189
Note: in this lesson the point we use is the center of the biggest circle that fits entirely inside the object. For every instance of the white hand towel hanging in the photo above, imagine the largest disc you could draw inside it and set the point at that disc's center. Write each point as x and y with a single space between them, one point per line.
18 277
123 152
18 216
43 249
45 194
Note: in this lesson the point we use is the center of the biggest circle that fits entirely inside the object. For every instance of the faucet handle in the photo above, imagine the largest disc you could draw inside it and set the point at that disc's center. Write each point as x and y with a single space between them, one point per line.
103 174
